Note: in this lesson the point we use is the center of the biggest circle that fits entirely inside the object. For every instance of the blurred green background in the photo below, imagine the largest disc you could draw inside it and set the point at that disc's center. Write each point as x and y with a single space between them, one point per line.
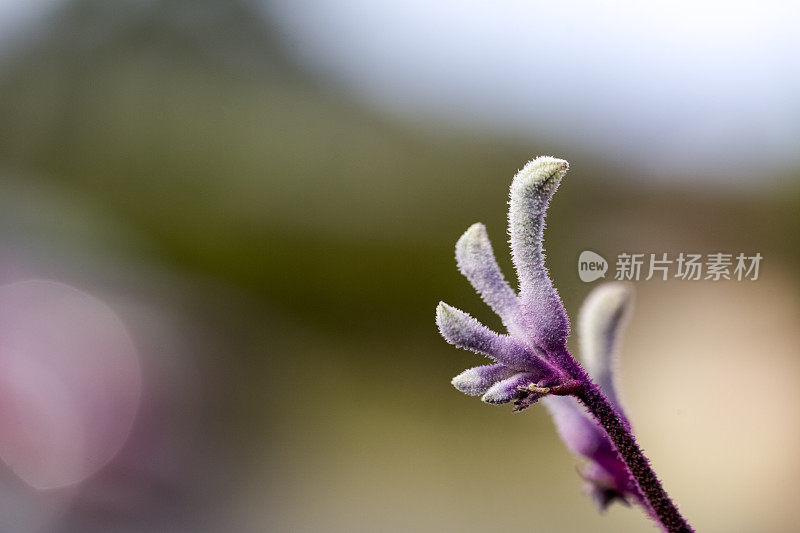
277 245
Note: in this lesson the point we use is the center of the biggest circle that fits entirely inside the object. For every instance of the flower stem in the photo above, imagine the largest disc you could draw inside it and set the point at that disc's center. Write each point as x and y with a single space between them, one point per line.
653 494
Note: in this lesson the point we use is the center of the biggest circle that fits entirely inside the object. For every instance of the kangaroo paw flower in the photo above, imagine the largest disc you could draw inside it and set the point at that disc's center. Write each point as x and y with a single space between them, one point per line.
533 352
532 361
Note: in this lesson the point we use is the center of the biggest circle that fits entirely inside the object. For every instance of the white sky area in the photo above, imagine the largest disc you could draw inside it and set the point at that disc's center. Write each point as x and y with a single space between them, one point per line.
702 89
17 16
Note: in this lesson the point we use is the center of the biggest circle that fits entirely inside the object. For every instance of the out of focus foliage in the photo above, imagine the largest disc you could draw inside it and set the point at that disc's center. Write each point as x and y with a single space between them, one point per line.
188 121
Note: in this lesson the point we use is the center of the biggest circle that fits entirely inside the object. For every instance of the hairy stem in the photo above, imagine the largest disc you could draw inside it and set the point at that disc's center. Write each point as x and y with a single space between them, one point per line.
656 498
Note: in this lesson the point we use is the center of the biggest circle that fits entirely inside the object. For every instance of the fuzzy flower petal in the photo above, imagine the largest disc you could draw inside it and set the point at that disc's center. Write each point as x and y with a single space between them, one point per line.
476 381
531 191
476 261
606 476
577 429
463 331
509 389
602 320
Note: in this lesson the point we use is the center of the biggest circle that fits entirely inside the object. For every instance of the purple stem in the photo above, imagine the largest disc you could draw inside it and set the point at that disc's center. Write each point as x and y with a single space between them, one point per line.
658 502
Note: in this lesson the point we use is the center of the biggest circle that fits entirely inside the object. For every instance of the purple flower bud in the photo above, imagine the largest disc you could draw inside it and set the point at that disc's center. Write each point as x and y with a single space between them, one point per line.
605 473
603 317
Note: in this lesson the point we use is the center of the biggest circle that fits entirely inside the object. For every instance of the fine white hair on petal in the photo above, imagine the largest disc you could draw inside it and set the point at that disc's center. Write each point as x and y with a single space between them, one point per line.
601 321
531 191
506 390
476 381
462 330
477 262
